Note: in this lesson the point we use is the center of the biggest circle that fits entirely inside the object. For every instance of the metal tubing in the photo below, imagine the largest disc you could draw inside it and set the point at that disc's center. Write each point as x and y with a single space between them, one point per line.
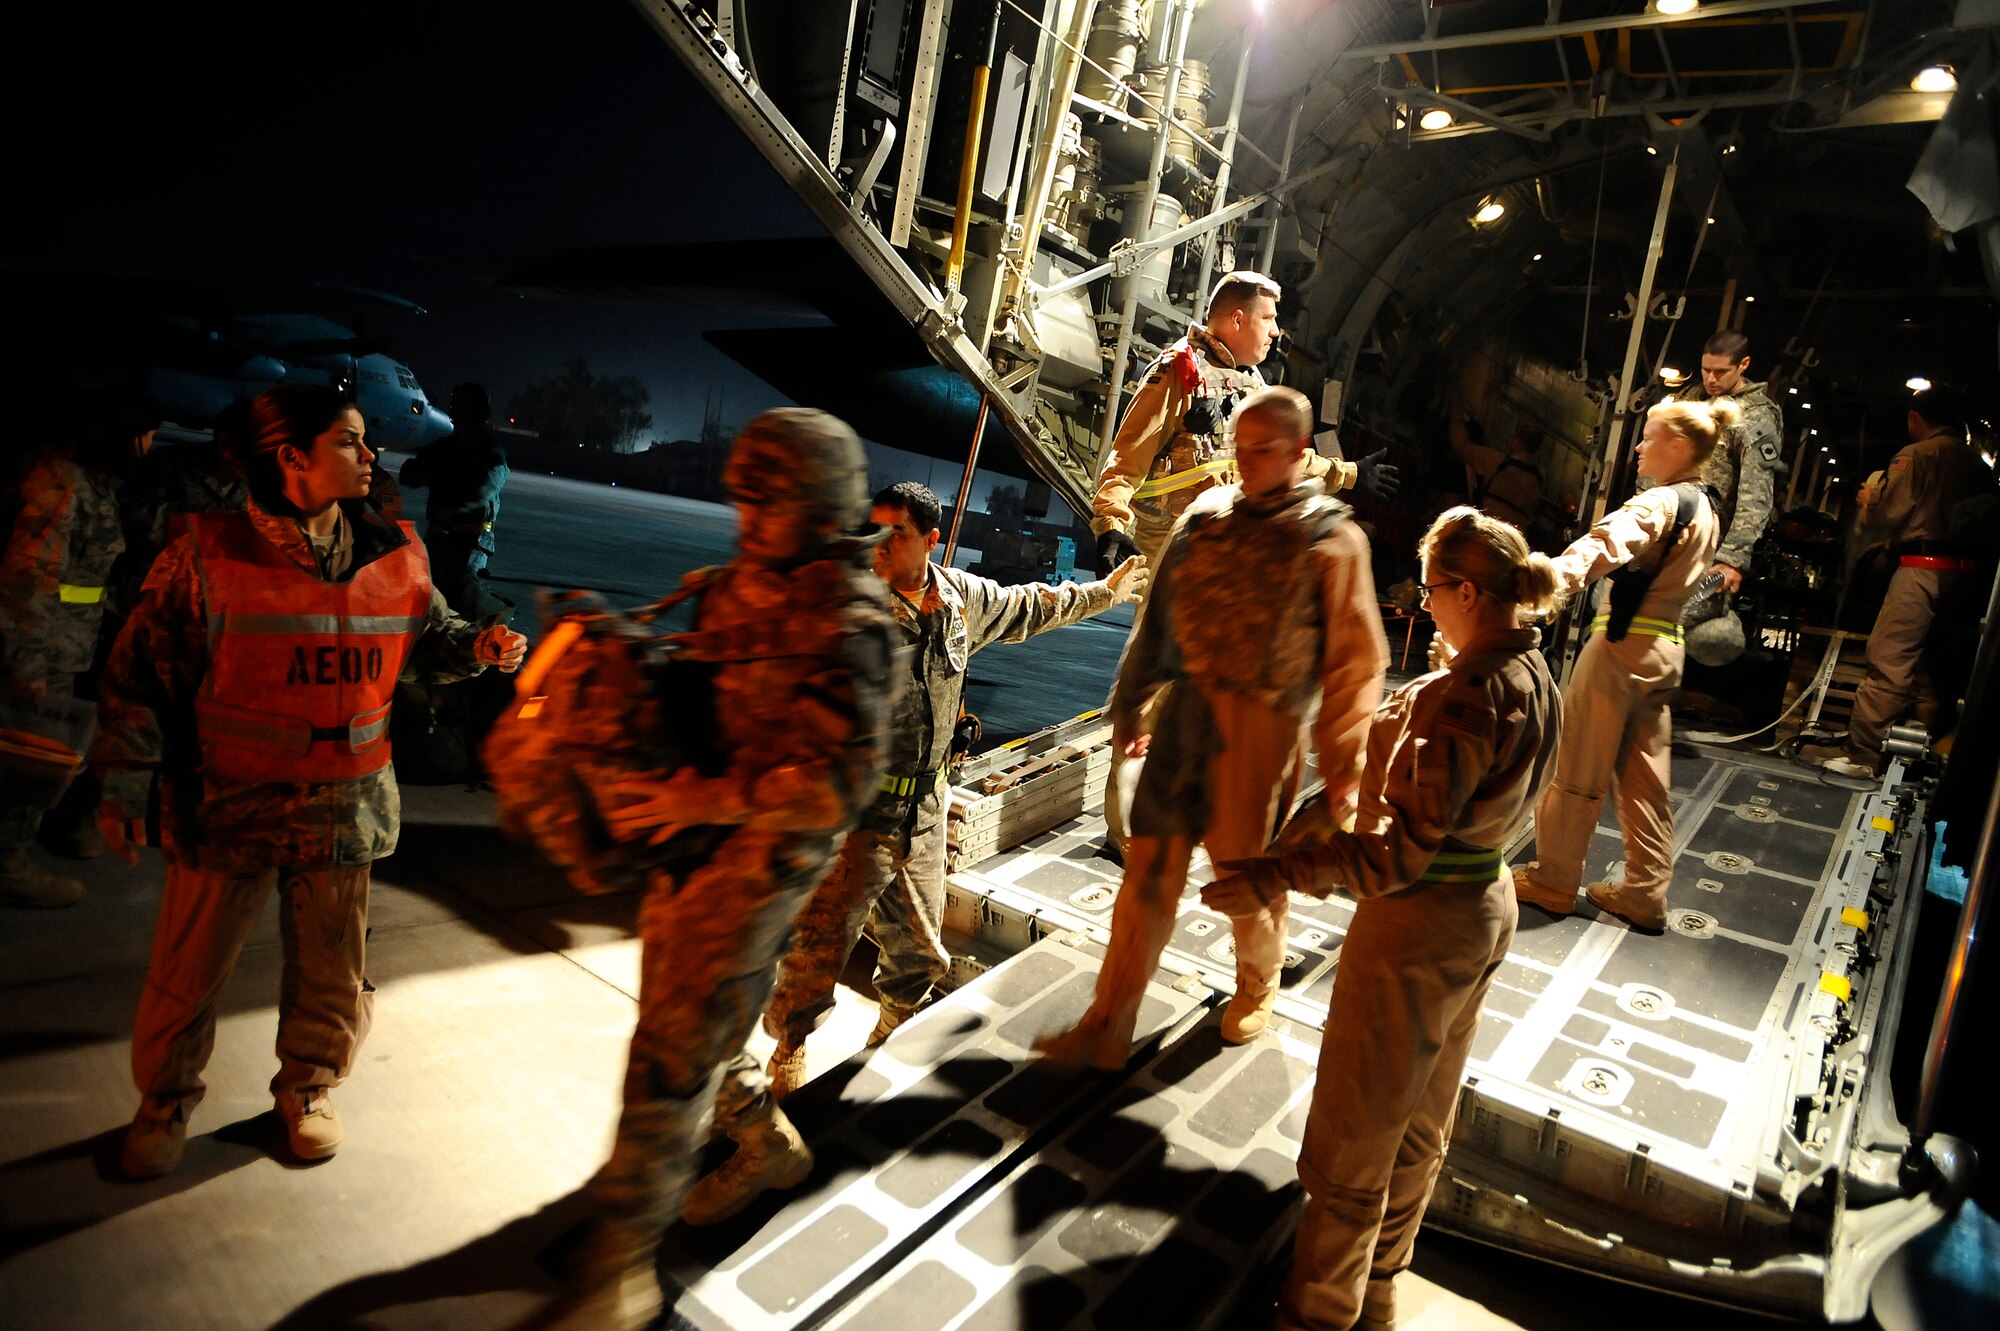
1626 387
1181 18
1035 209
968 168
965 485
1573 28
1985 861
1208 245
1269 249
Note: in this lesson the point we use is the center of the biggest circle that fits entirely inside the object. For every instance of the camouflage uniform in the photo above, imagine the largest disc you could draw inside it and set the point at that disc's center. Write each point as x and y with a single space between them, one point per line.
1743 469
466 471
801 740
228 844
1157 465
1455 761
170 482
894 862
1260 609
54 581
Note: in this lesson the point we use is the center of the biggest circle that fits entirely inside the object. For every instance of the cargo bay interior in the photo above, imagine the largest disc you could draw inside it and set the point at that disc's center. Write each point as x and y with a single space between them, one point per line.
1544 206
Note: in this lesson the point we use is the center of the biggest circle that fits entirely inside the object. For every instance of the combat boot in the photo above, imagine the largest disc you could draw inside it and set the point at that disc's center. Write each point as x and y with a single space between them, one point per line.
154 1142
787 1070
1530 892
1637 909
768 1155
312 1124
25 883
889 1019
1249 1012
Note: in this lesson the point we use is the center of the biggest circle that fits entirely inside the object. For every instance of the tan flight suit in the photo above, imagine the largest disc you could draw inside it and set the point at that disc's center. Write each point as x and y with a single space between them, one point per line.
1455 759
1617 724
1157 466
1258 609
1913 514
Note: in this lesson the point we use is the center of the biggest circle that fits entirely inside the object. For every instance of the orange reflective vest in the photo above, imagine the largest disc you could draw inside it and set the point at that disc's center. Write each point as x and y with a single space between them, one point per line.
300 671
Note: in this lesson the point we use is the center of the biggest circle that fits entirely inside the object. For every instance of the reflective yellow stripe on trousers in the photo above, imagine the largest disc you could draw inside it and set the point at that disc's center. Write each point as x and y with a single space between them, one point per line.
1644 627
1180 480
72 594
1462 866
904 786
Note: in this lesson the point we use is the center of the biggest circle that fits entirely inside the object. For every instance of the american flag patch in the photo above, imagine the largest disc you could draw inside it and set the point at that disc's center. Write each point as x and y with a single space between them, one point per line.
1466 718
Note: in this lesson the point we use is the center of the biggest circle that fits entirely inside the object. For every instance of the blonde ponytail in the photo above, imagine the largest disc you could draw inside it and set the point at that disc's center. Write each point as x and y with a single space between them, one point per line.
1466 545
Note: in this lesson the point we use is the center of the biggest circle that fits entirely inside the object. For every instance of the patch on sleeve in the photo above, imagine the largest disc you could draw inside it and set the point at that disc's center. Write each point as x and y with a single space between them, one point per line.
1769 448
1900 464
1467 718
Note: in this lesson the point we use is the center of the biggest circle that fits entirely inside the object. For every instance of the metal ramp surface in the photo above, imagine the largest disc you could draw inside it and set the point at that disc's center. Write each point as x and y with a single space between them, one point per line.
1699 1110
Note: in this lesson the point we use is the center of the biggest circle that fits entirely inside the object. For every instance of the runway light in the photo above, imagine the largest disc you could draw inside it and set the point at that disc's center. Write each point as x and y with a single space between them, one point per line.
1935 78
1435 118
1672 8
1490 211
1916 383
1669 375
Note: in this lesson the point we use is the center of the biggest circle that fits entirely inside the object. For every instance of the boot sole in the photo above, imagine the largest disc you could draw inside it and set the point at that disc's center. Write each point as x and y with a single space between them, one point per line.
782 1183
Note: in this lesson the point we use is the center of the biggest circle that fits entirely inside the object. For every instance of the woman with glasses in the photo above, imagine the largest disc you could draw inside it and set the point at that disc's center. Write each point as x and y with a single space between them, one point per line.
1653 549
1455 760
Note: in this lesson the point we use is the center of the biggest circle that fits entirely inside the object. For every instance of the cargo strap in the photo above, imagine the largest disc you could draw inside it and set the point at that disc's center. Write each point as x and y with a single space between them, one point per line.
912 787
1644 627
72 594
1181 480
1907 561
1462 866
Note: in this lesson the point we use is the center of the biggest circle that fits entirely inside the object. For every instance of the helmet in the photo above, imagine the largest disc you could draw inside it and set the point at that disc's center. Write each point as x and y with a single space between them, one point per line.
1716 641
803 457
1714 634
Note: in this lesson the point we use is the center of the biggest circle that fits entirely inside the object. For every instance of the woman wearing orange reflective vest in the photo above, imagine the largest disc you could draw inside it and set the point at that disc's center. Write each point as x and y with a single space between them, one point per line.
255 676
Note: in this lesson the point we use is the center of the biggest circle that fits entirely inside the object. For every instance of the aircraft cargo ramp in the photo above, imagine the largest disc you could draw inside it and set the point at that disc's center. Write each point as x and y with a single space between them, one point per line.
1706 1111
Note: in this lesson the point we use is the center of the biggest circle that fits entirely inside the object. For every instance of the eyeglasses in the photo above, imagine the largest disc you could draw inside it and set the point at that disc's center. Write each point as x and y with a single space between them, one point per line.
1424 590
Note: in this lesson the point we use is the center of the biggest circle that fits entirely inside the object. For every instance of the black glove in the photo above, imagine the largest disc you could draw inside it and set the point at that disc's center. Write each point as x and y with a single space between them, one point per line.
1375 478
1113 549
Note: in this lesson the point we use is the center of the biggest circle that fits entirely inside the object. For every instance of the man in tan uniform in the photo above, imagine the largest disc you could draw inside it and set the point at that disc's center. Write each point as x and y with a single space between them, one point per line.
1177 442
1246 656
1617 723
1912 518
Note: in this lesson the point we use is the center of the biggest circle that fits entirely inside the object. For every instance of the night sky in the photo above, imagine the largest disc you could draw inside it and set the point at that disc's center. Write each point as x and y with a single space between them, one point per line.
399 147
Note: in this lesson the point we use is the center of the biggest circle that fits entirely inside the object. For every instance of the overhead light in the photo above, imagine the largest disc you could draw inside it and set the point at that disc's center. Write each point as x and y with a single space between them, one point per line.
1916 383
1673 8
1805 406
1728 148
1538 256
1669 375
1435 118
1400 122
1935 78
1748 299
1711 221
1651 151
1792 391
1490 211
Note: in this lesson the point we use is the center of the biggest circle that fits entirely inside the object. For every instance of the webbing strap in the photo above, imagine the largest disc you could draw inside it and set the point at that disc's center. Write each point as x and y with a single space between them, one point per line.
1644 627
1462 866
1181 480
